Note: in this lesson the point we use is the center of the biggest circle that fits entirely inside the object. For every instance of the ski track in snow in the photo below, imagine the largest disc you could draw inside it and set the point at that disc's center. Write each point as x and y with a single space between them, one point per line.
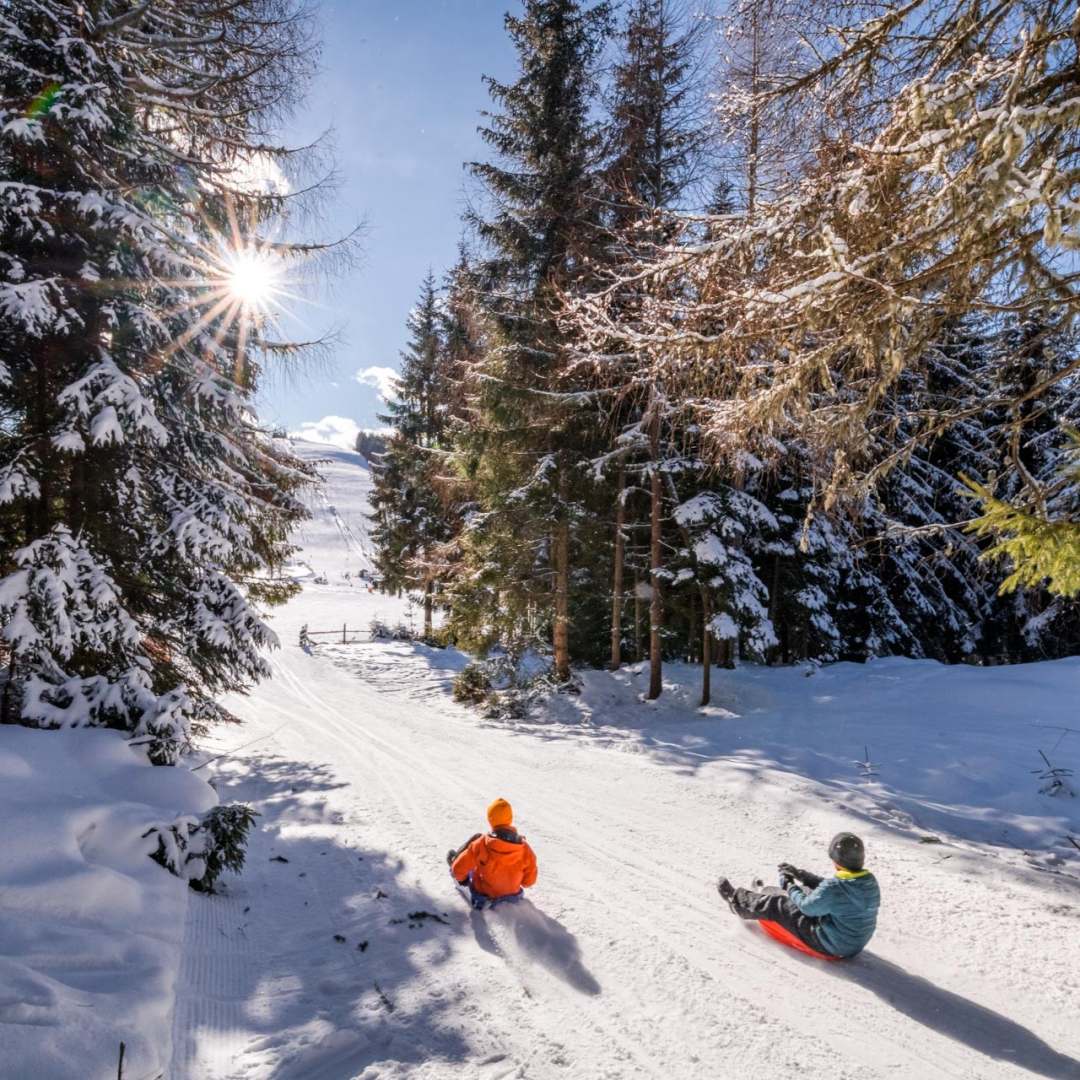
622 962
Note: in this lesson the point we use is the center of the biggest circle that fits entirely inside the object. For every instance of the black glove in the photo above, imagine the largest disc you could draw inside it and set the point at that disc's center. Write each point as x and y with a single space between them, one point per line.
788 875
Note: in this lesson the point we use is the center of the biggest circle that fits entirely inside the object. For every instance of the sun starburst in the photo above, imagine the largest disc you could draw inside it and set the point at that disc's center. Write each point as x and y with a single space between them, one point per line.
252 278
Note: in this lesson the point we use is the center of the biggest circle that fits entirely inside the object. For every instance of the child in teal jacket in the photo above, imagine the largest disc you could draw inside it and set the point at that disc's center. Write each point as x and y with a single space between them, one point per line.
835 915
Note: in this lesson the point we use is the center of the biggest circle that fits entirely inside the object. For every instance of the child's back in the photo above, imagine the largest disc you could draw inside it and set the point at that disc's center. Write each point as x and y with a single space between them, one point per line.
500 863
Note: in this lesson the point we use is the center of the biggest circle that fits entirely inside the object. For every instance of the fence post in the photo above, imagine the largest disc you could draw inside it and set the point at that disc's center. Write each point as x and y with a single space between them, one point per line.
120 1067
344 638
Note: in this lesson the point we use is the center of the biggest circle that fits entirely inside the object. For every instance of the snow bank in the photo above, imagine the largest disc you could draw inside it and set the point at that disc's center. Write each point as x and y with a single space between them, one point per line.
90 927
920 746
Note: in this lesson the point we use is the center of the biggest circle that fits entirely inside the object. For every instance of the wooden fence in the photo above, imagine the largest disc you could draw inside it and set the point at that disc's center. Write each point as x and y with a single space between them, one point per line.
344 636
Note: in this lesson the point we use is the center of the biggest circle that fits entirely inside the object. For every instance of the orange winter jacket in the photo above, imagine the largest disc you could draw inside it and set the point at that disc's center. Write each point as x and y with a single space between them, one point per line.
499 866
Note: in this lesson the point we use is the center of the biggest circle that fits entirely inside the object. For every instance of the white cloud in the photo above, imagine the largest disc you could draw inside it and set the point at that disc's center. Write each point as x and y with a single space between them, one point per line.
335 430
384 380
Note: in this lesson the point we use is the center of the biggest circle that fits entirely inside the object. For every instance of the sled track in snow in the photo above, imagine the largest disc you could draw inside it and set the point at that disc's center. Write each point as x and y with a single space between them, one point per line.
398 787
701 956
354 545
682 955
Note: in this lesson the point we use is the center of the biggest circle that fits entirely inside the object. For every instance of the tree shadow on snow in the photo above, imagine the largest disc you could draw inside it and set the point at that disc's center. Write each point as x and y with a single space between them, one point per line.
958 1018
540 939
310 963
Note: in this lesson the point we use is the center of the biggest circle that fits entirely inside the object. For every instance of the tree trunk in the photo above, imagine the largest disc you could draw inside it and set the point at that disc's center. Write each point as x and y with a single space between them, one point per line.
637 616
753 148
706 650
617 583
429 590
561 636
656 602
692 631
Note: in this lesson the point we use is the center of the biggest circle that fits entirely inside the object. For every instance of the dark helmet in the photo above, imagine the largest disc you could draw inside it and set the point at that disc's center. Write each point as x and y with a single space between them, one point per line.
847 850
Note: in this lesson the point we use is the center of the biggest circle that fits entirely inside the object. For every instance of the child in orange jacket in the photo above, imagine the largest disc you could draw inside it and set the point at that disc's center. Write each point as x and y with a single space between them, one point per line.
496 865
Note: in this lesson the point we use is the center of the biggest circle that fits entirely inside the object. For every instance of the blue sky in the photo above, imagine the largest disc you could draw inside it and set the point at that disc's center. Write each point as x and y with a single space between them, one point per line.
401 87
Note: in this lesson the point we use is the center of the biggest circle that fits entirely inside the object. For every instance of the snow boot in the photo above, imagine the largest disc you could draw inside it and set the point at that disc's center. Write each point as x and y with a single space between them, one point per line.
727 891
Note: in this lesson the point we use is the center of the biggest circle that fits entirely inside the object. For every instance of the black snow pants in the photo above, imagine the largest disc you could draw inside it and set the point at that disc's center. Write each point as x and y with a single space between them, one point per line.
774 905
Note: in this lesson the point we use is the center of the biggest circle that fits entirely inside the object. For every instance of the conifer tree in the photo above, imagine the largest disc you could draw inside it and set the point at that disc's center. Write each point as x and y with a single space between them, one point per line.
410 513
141 505
521 447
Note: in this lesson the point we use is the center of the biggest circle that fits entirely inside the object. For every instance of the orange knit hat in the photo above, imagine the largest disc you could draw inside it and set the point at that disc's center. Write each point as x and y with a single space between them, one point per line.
500 813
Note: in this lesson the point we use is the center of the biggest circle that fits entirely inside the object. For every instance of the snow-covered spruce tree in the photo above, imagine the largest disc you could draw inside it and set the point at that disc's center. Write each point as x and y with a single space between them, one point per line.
412 514
141 506
521 447
909 529
716 562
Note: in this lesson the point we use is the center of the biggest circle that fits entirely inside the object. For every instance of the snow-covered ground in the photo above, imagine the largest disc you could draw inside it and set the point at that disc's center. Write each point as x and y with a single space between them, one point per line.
90 927
343 951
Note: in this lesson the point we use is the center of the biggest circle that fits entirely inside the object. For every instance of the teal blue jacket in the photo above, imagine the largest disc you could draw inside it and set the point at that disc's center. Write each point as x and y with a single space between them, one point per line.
845 907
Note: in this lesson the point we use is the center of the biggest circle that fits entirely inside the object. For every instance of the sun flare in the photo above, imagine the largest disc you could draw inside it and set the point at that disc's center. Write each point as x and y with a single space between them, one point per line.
252 278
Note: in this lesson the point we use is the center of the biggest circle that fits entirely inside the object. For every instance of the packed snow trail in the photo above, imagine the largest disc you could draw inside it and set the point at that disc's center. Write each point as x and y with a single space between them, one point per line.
344 952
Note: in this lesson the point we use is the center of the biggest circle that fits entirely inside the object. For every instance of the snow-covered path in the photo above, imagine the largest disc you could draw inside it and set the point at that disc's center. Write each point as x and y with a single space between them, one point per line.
622 963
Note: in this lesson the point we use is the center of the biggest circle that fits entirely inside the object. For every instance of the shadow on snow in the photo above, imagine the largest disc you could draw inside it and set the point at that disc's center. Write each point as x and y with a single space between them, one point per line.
305 1004
268 965
957 1018
539 938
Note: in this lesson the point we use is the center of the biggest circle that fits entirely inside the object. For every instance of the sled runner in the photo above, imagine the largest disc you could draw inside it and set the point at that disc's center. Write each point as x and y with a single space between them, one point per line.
786 937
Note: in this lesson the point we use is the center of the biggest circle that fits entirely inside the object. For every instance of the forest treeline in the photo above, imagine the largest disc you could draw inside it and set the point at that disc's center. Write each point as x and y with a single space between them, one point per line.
760 342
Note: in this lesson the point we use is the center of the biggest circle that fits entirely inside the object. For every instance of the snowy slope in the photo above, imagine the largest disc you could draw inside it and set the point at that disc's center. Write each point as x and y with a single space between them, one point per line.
336 537
623 963
90 927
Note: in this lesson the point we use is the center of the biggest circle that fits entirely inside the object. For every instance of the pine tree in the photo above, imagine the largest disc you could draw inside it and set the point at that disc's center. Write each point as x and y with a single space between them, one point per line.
411 515
140 503
658 129
521 451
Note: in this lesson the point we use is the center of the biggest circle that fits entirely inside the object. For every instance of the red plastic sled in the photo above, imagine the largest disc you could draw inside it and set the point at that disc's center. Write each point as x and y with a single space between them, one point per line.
786 937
